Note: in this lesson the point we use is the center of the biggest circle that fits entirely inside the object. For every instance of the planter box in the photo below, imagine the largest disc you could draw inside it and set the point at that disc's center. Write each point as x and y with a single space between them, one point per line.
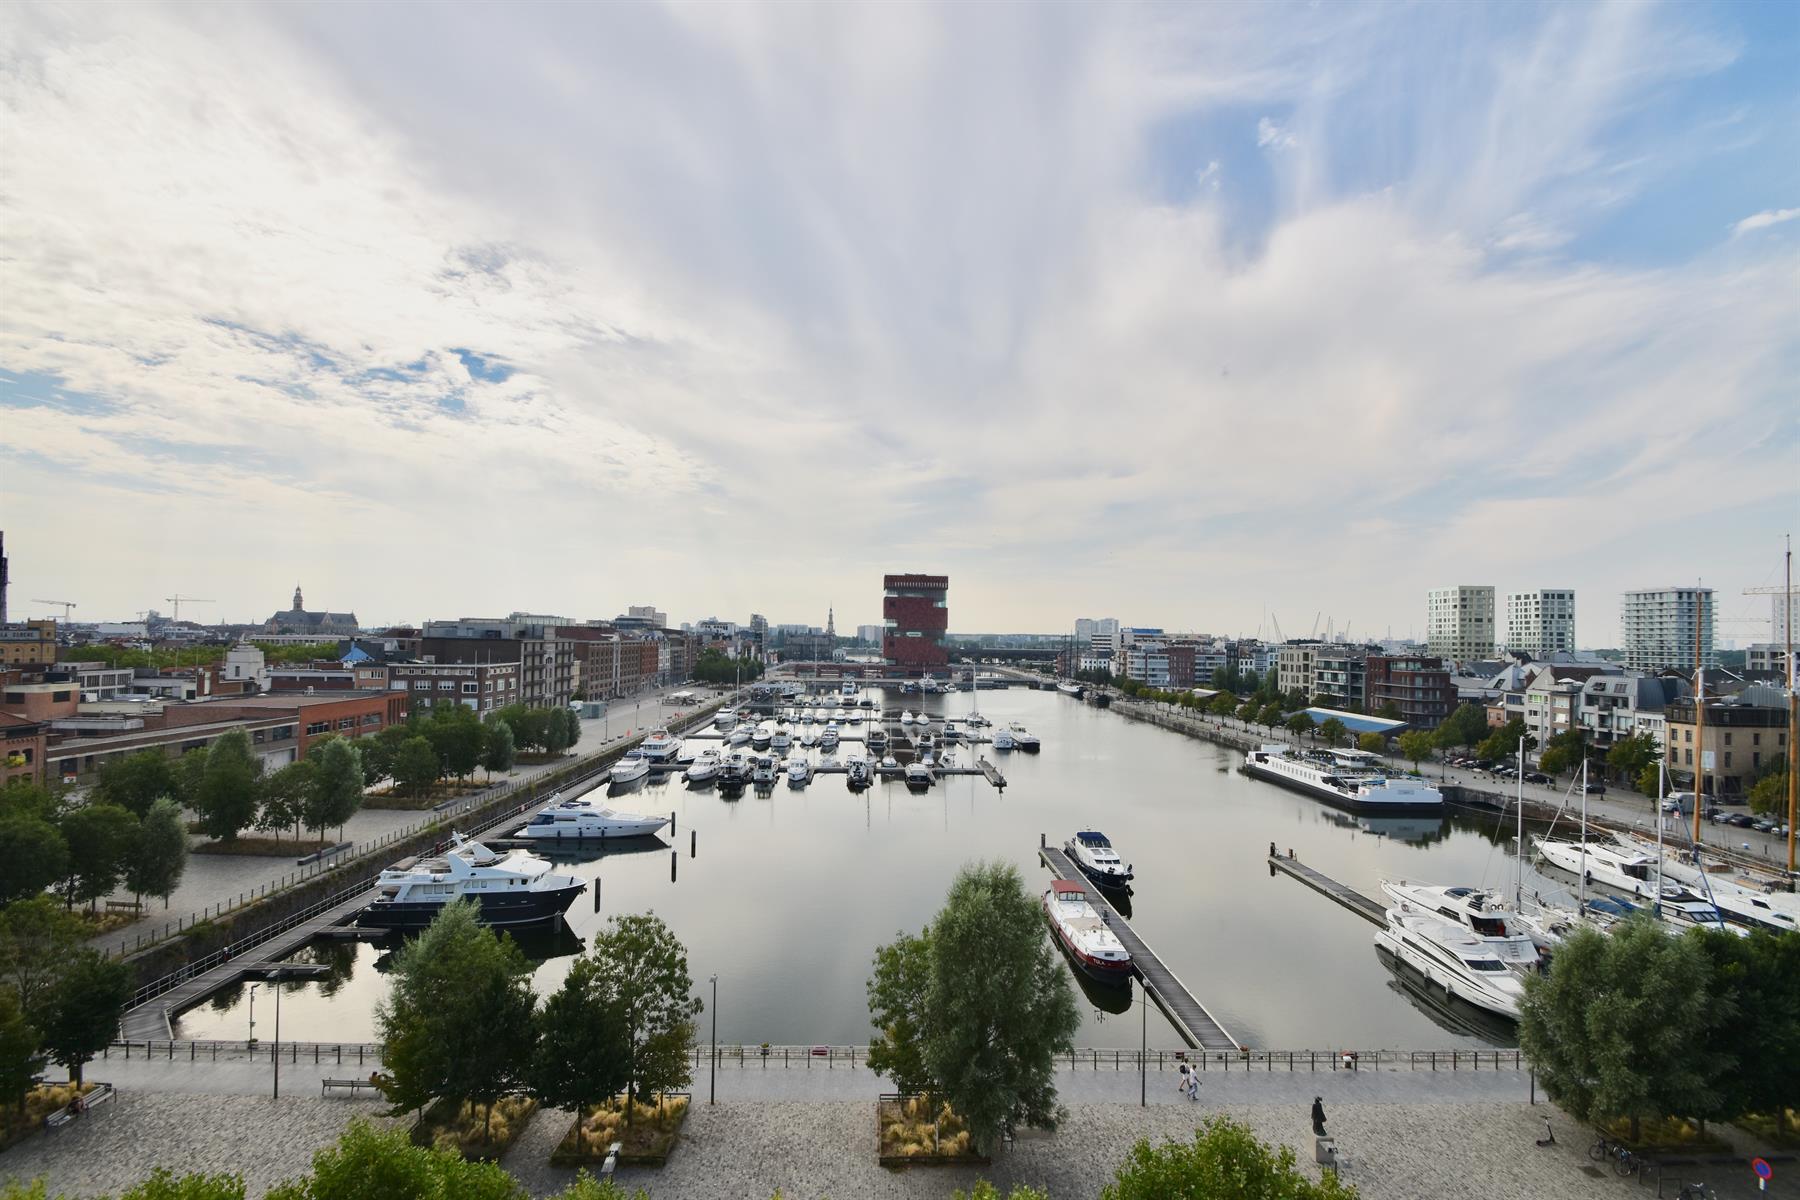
645 1144
893 1111
443 1117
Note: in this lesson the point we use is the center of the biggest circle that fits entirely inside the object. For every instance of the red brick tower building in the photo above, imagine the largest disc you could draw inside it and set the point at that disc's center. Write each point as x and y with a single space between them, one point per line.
916 611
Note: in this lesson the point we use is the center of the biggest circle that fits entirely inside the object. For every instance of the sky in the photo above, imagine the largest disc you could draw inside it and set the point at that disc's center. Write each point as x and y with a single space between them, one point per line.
1181 314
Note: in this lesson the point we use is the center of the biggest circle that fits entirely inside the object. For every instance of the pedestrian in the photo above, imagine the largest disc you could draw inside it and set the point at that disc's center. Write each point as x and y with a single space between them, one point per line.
1193 1084
1272 853
1318 1116
1181 1078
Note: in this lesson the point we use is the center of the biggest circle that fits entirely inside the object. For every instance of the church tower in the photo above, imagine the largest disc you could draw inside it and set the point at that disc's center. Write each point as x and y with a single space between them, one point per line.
830 622
298 606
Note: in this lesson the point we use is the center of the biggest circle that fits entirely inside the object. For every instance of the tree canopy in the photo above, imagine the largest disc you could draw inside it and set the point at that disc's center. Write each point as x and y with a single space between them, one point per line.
227 795
1225 1161
583 1055
136 781
81 1015
898 993
644 967
1416 745
158 855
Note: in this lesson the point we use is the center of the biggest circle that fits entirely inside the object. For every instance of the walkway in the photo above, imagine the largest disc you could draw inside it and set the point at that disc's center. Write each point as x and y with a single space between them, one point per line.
1349 897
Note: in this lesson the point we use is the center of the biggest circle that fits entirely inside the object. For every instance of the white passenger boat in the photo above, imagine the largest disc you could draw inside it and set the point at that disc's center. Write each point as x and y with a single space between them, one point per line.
515 888
918 776
630 767
1080 931
1744 898
1347 778
1510 935
1094 855
739 736
1003 739
1603 862
585 817
1454 958
660 747
703 768
799 770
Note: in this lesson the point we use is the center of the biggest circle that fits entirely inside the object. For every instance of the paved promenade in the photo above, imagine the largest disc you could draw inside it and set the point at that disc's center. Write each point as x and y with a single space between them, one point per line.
1406 1134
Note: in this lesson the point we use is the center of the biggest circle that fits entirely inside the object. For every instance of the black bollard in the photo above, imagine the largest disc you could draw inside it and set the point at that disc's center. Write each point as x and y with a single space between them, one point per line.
672 830
693 843
596 894
674 858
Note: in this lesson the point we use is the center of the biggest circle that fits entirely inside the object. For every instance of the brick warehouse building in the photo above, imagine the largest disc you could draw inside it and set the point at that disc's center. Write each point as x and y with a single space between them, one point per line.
916 612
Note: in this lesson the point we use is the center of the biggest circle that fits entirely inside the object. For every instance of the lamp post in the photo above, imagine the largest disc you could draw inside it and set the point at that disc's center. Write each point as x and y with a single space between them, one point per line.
253 988
712 1096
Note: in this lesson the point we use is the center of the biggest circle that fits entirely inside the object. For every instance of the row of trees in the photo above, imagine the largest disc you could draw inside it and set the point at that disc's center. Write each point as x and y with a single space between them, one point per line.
59 999
188 656
1641 1025
85 851
461 1022
974 1008
715 666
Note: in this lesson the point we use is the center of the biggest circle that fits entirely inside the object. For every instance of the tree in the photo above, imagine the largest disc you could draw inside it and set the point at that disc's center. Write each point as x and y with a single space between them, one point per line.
457 1022
416 766
1270 714
136 781
983 1190
458 736
1769 794
227 797
1650 780
645 966
33 856
164 1184
1225 1160
1299 724
572 723
582 1055
19 1058
99 837
1389 711
1629 756
502 752
380 751
1759 976
1246 712
1333 731
158 855
337 784
1223 705
286 796
1503 743
1001 1004
23 798
1622 1025
82 1011
1415 744
1564 753
36 939
367 1163
1465 727
556 730
190 773
898 991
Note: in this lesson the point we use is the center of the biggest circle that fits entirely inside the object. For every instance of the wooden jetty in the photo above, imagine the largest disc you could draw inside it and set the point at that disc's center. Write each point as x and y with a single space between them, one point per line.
1197 1027
1363 906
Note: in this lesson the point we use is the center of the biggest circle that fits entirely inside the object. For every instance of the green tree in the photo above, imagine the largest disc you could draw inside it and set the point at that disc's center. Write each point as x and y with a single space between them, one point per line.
33 856
1389 711
1502 745
645 966
1223 705
158 855
379 753
82 1011
1270 714
284 797
583 1055
19 1058
898 994
572 725
983 1190
337 783
1629 756
1759 977
23 798
416 766
1246 712
1001 1004
1372 743
1225 1161
371 1164
190 774
556 730
458 736
1465 727
1622 1026
136 781
1564 753
1769 794
502 752
457 1022
36 939
227 798
99 837
1333 731
1300 724
1415 744
1649 780
164 1184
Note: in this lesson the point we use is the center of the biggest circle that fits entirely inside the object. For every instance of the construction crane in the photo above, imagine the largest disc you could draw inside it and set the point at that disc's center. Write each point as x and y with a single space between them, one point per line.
178 599
67 606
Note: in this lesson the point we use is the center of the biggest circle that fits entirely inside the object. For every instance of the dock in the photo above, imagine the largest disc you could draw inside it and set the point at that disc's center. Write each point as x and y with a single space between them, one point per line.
1363 906
1197 1027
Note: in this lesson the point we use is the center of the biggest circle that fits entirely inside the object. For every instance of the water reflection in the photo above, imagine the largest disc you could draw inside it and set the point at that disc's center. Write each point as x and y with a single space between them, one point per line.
1450 1013
1105 998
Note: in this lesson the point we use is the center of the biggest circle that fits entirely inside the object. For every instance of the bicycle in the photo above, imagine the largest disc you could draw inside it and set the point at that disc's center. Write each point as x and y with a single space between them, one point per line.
1624 1162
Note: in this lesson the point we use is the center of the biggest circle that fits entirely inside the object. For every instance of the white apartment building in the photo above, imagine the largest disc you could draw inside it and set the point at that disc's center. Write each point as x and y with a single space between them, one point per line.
1295 664
1657 625
1459 622
1100 634
1782 615
1541 622
1766 659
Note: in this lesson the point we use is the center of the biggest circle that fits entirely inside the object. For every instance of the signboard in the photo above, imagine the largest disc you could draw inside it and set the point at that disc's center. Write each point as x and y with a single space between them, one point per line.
1762 1168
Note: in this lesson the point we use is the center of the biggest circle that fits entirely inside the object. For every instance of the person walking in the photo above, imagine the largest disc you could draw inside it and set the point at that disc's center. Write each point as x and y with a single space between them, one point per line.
1181 1079
1193 1084
1318 1116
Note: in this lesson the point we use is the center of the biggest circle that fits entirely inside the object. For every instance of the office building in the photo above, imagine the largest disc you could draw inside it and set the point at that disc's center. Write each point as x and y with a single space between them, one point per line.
915 611
1541 623
1657 628
1459 622
1418 686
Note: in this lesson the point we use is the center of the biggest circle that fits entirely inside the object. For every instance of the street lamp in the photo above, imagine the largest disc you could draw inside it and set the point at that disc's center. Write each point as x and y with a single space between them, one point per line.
253 988
713 1086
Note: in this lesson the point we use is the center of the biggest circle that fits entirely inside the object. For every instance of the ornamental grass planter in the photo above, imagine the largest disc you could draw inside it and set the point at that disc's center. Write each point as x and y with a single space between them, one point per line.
912 1132
647 1140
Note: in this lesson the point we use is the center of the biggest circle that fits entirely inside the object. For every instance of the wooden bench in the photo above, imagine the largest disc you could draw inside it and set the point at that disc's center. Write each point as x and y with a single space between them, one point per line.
355 1085
131 906
87 1103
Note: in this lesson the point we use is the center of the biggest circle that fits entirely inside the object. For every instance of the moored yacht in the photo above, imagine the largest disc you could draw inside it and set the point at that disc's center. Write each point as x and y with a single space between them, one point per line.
906 718
762 772
781 739
1080 931
585 817
515 888
1004 740
1603 862
877 740
660 746
1347 778
1094 855
630 767
799 770
828 738
1024 739
857 771
918 776
762 736
1452 957
739 737
1510 935
951 732
704 768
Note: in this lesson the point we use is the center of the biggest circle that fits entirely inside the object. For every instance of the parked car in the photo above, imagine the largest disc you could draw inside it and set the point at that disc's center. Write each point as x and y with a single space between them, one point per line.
1596 788
1740 820
1763 826
1536 777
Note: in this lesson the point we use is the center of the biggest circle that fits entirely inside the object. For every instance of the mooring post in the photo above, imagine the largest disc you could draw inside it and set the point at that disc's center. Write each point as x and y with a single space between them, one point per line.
693 843
674 857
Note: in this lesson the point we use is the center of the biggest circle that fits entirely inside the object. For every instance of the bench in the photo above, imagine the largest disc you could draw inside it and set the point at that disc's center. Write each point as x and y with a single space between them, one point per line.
87 1103
131 906
355 1085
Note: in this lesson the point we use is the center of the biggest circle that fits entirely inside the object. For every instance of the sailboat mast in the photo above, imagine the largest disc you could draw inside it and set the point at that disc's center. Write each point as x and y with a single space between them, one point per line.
1519 865
1793 720
1662 792
1581 896
1699 719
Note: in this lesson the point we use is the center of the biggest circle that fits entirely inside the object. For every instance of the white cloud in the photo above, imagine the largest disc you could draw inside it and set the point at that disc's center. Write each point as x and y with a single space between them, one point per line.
1764 219
1271 135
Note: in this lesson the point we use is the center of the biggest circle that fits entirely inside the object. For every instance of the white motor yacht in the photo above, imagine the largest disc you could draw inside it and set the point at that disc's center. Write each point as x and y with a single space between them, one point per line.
918 776
829 737
1744 898
1347 778
1093 854
736 768
951 732
1003 739
725 722
1081 931
762 735
877 740
799 770
739 736
857 772
839 715
781 739
889 765
1603 862
1453 957
660 746
585 817
762 772
515 888
1510 935
703 768
630 767
906 718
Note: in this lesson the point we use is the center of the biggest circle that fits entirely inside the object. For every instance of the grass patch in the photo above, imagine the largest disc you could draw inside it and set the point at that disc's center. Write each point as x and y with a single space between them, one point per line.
1780 1129
911 1132
40 1102
266 847
648 1139
470 1130
1665 1135
392 798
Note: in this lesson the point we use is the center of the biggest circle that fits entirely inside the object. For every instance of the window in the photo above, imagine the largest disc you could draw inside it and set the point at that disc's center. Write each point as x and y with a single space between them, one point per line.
421 685
59 696
257 736
1690 757
1728 760
1728 737
1756 739
347 723
470 689
318 727
446 685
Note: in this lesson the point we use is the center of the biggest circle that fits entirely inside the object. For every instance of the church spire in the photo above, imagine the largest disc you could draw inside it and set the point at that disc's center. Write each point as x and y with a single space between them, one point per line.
298 606
830 622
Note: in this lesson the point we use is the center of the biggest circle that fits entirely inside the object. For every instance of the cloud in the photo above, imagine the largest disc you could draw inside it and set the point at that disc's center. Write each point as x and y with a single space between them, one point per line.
1272 136
1764 219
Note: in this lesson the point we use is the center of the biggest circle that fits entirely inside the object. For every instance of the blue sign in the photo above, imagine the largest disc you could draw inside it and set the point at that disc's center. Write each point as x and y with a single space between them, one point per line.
1762 1168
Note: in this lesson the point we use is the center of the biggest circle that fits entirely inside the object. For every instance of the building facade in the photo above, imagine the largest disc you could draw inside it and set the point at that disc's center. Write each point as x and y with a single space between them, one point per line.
1744 734
1657 628
483 687
28 644
1459 622
1418 686
915 612
1295 666
1541 622
326 625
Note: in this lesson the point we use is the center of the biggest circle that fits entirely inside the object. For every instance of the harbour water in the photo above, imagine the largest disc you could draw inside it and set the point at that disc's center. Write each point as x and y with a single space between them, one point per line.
790 892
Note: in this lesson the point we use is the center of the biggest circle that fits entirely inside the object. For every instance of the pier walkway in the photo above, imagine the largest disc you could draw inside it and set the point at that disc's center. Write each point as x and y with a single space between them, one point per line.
1363 906
1197 1027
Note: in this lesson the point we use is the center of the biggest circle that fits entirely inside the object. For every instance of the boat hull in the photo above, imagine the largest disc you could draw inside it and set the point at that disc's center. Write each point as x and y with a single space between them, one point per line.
1337 799
1452 983
497 909
1104 879
593 833
1110 971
